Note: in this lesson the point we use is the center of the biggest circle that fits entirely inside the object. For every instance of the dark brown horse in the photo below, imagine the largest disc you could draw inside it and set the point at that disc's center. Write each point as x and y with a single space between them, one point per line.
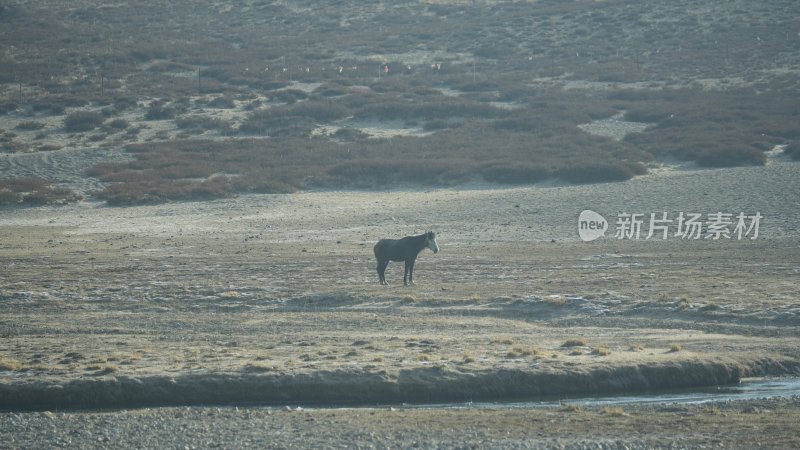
404 249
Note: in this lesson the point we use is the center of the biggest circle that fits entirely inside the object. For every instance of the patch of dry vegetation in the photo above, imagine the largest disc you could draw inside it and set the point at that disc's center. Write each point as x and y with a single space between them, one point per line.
8 363
185 170
696 124
34 191
575 342
479 97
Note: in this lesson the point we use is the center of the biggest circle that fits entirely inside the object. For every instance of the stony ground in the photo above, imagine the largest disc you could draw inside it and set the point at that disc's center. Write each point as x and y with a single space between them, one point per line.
765 424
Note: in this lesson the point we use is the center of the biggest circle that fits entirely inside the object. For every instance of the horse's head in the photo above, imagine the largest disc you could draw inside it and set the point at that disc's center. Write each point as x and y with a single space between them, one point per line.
430 241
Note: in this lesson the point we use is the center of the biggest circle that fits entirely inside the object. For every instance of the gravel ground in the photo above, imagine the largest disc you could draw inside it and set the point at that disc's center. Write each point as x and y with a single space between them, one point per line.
763 424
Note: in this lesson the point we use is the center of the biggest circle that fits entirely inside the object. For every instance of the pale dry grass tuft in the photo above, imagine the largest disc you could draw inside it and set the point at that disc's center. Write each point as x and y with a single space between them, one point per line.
571 408
502 340
614 411
601 351
8 363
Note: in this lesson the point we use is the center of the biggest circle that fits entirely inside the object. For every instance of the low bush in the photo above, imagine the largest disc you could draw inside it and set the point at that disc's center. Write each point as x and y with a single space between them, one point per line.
292 120
159 111
371 173
118 124
288 96
514 173
33 191
323 111
575 342
736 155
793 150
203 123
596 172
79 121
221 103
29 125
646 115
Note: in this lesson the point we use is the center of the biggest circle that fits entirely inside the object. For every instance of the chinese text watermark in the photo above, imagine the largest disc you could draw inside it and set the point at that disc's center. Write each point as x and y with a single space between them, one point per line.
689 226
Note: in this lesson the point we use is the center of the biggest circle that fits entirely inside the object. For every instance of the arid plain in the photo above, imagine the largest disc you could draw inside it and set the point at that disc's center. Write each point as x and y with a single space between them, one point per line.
274 299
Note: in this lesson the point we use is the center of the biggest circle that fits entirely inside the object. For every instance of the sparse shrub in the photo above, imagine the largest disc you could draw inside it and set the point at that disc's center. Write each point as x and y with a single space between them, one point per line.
118 124
53 108
594 173
124 103
268 121
48 147
203 123
107 369
79 121
502 340
29 125
9 146
158 110
520 351
350 134
646 115
740 155
674 348
318 110
793 150
574 342
503 172
288 96
34 192
434 125
221 103
601 351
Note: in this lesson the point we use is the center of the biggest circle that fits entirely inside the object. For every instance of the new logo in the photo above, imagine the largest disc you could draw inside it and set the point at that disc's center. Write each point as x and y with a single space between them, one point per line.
591 225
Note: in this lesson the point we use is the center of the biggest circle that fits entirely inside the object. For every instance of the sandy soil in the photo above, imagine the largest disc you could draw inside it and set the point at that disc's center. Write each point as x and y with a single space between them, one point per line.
275 299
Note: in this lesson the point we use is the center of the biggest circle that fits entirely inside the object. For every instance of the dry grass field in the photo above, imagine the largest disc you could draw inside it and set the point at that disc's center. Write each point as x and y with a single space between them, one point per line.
274 299
282 289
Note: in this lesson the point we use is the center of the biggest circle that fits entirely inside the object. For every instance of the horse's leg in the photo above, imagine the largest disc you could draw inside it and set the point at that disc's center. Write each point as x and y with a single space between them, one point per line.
382 271
409 273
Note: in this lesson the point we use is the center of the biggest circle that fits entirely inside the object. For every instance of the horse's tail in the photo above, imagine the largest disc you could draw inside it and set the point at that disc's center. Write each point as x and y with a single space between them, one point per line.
377 248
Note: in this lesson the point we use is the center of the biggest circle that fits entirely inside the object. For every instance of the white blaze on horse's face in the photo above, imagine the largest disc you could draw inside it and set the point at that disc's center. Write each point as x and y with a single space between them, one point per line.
430 241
